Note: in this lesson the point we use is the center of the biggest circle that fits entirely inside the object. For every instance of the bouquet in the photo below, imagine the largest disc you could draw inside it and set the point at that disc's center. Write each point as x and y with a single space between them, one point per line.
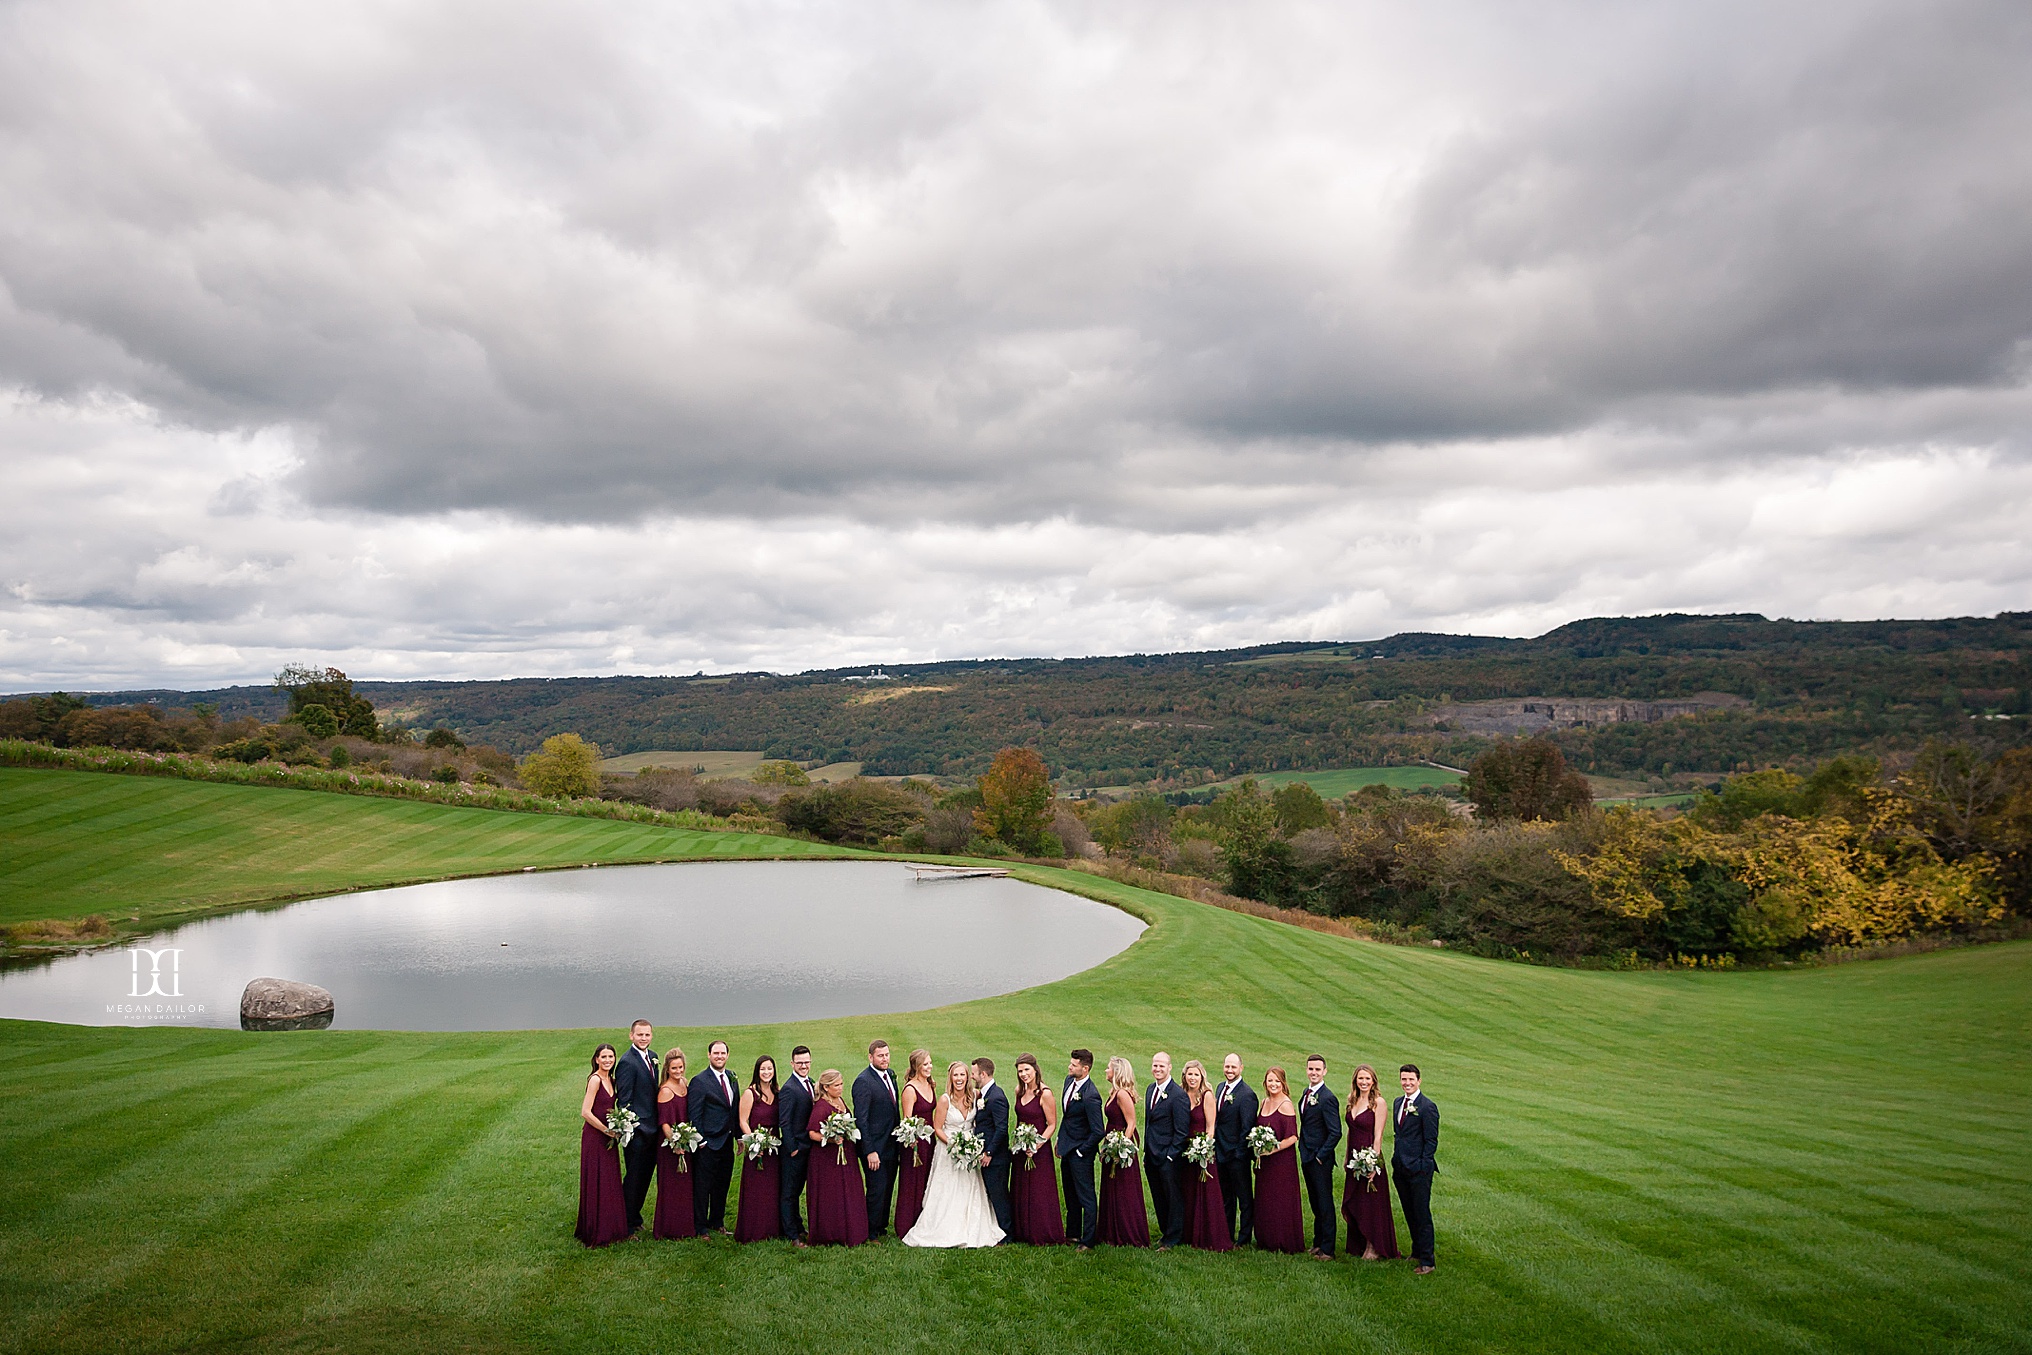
839 1128
1262 1141
1199 1151
966 1148
912 1131
1364 1162
682 1138
1118 1152
758 1144
1027 1139
622 1123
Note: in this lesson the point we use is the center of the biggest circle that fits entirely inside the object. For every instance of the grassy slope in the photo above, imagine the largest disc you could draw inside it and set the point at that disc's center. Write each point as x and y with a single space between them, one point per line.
1834 1159
129 846
1337 782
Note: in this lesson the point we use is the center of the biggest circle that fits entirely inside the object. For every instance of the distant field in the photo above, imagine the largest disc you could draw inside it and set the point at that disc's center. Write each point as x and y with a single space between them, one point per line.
1336 782
717 763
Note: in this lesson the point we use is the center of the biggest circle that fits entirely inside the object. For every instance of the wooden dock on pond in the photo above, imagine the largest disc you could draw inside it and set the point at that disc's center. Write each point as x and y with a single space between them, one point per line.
924 873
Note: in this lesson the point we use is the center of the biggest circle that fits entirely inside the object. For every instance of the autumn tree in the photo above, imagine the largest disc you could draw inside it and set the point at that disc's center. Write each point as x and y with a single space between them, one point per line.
332 689
1527 780
564 767
1015 801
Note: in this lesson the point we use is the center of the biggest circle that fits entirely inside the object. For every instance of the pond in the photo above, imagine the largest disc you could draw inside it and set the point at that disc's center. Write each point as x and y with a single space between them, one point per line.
731 942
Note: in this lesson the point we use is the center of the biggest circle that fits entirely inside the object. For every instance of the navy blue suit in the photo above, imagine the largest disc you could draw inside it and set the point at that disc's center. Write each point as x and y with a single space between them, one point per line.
793 1113
1234 1116
714 1109
1167 1116
635 1088
1082 1123
991 1122
877 1112
1319 1134
1414 1158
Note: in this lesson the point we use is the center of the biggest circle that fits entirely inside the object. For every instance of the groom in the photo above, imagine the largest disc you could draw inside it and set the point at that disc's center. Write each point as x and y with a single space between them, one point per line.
991 1122
1167 1117
877 1113
712 1101
1414 1158
1081 1124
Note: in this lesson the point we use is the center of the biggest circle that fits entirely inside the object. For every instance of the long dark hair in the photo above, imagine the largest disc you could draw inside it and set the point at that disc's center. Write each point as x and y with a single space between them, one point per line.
755 1078
1036 1076
602 1045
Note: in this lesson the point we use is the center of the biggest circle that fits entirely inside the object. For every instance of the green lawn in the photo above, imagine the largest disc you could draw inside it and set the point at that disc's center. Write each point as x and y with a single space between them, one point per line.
155 849
1337 782
1823 1160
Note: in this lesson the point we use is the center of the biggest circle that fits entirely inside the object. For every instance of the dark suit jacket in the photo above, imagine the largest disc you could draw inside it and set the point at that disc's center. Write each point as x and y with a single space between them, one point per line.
635 1087
1167 1113
1081 1123
1415 1138
793 1108
1234 1117
877 1113
1319 1124
991 1122
716 1117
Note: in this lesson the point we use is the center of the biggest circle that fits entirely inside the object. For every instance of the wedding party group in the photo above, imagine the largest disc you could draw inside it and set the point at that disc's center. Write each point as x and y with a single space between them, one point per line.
967 1166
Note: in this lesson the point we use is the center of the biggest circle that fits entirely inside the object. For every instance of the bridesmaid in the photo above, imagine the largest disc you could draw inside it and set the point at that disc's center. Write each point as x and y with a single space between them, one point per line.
673 1170
914 1166
1278 1224
1206 1217
1124 1223
761 1205
837 1202
603 1214
1366 1204
1033 1179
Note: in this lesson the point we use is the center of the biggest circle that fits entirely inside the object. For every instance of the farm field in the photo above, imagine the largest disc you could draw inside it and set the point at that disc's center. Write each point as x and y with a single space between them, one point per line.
718 763
1647 1161
1334 783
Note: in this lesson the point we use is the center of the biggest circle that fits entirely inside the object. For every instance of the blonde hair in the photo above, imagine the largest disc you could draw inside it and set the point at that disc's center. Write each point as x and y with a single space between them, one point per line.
672 1058
965 1094
1195 1066
1376 1101
1121 1075
917 1057
831 1078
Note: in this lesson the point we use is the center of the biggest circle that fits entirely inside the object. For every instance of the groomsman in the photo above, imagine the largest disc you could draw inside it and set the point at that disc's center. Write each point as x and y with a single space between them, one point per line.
877 1112
1414 1158
1082 1122
635 1088
1167 1115
793 1113
1234 1116
1319 1134
710 1101
991 1122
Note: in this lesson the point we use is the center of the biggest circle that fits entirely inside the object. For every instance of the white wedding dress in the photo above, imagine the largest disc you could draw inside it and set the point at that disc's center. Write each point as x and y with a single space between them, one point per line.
956 1211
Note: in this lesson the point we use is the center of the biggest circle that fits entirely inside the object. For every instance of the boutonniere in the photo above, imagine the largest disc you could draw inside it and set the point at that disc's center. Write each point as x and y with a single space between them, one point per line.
1072 1096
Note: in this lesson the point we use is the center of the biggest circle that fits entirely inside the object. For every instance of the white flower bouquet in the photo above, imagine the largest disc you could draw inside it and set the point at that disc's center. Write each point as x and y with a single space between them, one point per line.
1365 1163
1027 1139
840 1130
1262 1141
683 1138
757 1144
966 1148
913 1131
1118 1152
622 1124
1199 1151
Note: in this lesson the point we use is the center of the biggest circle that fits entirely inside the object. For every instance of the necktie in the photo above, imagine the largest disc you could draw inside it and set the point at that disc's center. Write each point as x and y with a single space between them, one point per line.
887 1083
726 1090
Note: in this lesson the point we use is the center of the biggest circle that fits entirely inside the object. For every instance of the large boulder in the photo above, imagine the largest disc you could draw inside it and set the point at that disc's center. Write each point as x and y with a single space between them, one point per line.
283 1004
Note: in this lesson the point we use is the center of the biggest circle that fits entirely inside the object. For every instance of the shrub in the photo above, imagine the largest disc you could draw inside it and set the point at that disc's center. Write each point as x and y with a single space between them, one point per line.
856 811
1528 780
317 721
780 773
448 774
565 767
442 737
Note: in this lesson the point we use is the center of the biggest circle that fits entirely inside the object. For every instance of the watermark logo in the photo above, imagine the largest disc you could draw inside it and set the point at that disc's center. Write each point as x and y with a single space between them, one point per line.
156 972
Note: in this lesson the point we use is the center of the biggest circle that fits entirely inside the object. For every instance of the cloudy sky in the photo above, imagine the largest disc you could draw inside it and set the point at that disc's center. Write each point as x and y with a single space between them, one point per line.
484 339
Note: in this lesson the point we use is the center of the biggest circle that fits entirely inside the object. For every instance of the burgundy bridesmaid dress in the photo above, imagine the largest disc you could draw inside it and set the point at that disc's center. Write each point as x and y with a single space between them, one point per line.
1033 1190
761 1206
836 1201
913 1170
673 1178
1278 1225
603 1213
1206 1216
1123 1220
1366 1204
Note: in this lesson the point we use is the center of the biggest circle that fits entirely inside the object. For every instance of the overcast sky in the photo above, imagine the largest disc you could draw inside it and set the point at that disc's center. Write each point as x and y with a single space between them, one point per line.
490 339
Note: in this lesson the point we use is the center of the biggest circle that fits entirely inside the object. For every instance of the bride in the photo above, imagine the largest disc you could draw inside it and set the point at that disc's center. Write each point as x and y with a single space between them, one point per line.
956 1211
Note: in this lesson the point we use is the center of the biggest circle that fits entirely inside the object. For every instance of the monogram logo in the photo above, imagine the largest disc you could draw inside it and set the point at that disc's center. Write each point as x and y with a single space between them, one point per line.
156 972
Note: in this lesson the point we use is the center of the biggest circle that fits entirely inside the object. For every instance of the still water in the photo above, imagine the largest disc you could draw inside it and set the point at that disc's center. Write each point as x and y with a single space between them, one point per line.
720 942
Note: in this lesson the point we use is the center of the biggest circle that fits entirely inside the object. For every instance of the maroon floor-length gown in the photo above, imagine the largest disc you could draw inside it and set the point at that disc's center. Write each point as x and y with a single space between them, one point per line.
1206 1217
836 1200
761 1204
1124 1223
603 1213
1033 1190
913 1170
1278 1224
1366 1204
673 1178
